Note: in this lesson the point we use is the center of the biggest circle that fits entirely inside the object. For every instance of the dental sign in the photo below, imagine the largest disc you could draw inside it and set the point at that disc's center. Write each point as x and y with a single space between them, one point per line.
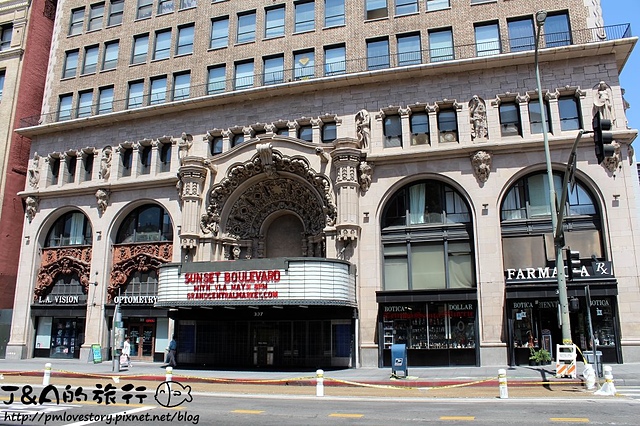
594 270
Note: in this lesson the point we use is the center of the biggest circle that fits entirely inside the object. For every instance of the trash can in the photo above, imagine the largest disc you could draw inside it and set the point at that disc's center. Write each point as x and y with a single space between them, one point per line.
399 360
591 359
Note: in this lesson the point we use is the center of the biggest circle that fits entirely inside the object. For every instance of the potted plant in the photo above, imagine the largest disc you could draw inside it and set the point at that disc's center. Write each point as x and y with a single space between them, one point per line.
539 356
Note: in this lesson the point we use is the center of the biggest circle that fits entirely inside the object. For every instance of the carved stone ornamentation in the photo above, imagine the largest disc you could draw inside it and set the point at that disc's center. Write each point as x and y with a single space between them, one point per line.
265 152
31 208
481 162
105 162
34 171
184 145
304 192
603 101
129 258
612 163
102 200
366 174
363 128
65 261
478 118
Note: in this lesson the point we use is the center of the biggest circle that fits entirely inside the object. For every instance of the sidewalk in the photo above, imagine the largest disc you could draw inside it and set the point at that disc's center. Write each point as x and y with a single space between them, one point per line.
538 381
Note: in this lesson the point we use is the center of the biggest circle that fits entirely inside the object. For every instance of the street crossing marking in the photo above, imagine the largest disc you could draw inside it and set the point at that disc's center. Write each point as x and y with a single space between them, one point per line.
629 391
457 418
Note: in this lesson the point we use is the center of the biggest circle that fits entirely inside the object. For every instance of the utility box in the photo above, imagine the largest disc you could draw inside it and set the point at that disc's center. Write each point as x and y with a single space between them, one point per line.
594 360
399 360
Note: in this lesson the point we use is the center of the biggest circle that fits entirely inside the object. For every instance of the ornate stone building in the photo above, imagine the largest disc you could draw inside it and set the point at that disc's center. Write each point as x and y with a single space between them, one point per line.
307 183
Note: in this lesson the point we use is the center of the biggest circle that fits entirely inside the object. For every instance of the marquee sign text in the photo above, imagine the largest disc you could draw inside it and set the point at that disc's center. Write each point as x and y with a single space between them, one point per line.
232 285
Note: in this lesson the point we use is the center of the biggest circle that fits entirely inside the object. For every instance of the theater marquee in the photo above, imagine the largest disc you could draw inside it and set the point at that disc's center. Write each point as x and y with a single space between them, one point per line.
286 282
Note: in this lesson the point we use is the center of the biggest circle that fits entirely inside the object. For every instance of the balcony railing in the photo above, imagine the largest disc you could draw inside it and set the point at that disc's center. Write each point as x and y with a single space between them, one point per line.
337 68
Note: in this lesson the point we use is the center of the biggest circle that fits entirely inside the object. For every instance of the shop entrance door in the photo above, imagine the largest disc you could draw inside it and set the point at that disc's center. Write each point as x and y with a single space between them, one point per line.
142 339
265 341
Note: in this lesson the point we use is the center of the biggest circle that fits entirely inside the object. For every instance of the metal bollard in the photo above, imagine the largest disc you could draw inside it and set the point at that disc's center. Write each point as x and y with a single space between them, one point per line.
46 378
168 377
502 383
319 383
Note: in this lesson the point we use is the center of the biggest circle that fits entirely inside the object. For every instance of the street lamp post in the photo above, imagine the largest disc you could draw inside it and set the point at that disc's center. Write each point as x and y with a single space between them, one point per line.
558 237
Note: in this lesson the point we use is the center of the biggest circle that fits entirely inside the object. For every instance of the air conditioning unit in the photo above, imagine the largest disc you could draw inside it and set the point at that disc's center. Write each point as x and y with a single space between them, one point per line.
420 139
446 137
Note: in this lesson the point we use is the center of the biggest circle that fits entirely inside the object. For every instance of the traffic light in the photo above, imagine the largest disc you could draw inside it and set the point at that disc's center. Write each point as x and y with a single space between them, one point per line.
573 263
602 138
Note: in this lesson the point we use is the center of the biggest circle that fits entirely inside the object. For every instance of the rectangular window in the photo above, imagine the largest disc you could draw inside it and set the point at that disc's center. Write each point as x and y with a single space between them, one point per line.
110 55
243 75
404 7
219 33
77 21
441 45
487 39
64 107
165 157
162 49
396 267
304 65
305 132
55 170
215 145
409 50
419 122
569 113
521 34
535 116
333 13
438 5
144 154
274 70
135 94
158 90
2 77
185 40
165 6
181 85
105 101
329 132
377 54
246 27
274 22
145 8
127 161
87 165
335 60
376 9
557 31
216 80
187 4
116 9
85 100
72 163
392 127
448 126
304 16
90 60
96 13
6 32
510 119
70 64
140 49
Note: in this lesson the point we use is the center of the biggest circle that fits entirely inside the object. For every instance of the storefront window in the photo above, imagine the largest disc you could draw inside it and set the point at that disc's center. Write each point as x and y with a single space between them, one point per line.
603 322
430 325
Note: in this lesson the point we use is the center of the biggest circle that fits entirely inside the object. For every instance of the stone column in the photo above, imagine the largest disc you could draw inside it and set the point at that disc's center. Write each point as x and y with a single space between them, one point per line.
406 127
192 174
345 159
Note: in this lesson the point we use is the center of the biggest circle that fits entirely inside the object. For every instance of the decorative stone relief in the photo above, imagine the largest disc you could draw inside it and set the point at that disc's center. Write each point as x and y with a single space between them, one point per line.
366 174
102 200
363 128
184 145
210 223
34 171
56 261
265 152
481 162
478 118
105 162
603 101
612 163
32 207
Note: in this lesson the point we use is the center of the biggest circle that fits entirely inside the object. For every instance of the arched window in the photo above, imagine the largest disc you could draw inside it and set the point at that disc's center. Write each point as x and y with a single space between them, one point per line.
426 238
145 224
72 229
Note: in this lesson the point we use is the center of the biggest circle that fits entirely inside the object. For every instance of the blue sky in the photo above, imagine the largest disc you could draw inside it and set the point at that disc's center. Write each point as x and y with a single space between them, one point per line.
622 12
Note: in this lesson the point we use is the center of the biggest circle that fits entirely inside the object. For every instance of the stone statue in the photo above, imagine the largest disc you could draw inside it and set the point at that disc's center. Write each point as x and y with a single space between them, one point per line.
603 101
105 162
481 162
366 173
34 171
32 207
363 128
184 145
102 199
478 118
